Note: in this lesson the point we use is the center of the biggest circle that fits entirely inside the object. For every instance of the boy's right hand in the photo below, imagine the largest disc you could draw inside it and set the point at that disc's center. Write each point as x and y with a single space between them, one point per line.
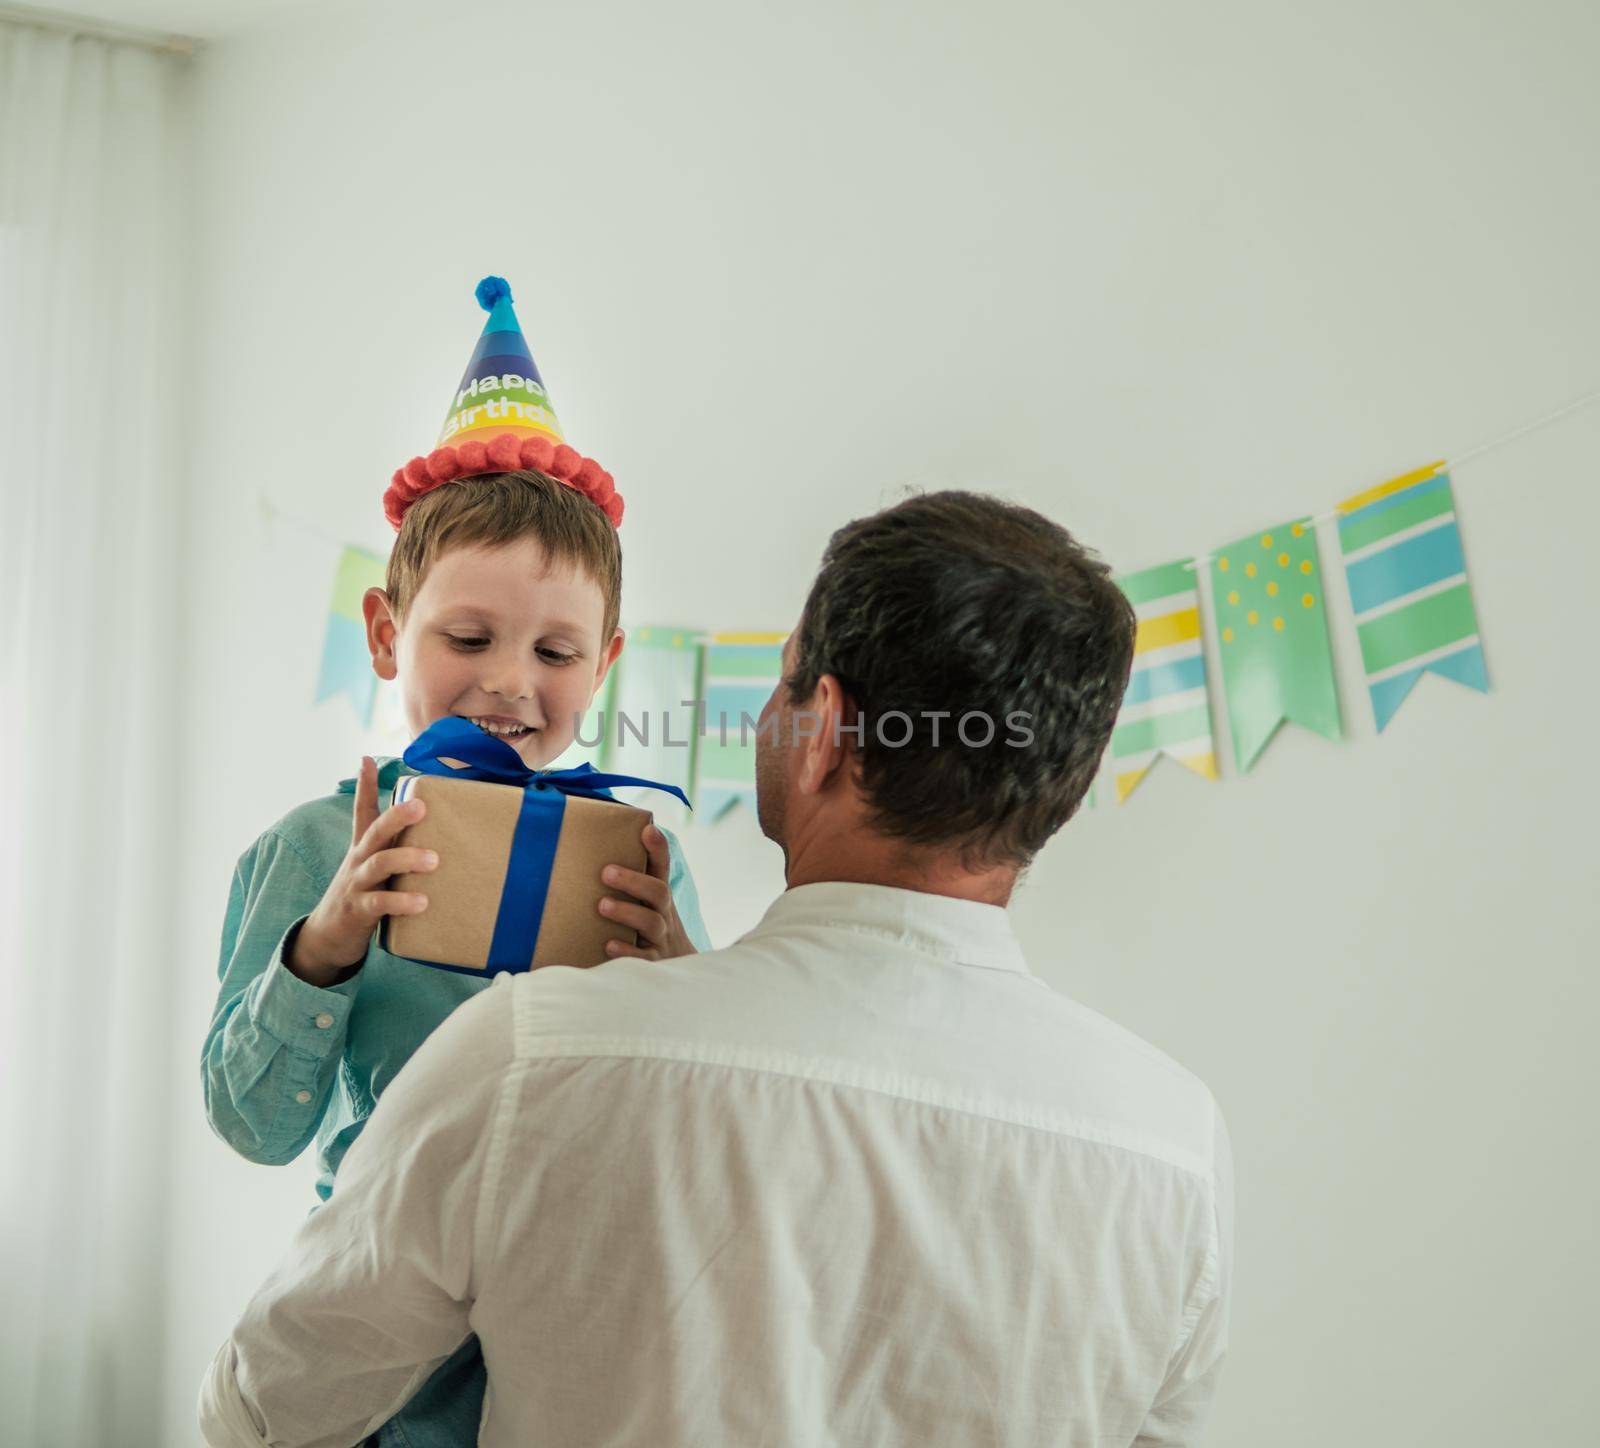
333 941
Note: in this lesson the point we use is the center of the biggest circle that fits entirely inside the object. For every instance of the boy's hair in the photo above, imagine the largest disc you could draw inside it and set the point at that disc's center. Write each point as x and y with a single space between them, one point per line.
500 508
955 602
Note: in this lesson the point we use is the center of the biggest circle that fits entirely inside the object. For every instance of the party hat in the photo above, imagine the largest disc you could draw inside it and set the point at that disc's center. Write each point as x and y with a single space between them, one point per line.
500 420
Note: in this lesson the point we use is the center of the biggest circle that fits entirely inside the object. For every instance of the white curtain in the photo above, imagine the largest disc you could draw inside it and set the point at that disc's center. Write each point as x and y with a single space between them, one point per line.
93 195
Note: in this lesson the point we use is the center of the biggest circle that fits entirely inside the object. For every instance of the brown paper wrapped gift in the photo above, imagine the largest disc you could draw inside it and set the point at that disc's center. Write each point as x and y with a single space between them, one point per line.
470 824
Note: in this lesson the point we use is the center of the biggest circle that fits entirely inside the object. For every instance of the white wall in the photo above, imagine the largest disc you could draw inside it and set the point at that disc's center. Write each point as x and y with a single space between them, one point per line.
1169 273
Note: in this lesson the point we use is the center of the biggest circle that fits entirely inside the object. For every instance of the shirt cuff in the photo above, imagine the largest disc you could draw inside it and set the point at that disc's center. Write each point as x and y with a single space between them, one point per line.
304 1017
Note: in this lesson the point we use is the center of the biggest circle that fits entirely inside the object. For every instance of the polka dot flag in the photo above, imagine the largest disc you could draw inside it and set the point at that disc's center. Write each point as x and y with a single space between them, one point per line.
1272 633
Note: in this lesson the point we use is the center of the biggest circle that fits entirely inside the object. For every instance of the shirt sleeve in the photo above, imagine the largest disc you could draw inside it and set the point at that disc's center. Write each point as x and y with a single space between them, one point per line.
271 1056
1178 1416
377 1287
684 895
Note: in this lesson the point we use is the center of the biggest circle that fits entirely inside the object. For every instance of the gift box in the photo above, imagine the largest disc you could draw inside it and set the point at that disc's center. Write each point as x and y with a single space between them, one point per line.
520 855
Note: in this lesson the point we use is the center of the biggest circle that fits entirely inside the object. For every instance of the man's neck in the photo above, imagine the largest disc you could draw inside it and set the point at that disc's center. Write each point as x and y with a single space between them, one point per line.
887 864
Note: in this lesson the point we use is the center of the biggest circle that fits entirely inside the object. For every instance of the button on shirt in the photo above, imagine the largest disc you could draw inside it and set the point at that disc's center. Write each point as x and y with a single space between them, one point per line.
286 1061
858 1179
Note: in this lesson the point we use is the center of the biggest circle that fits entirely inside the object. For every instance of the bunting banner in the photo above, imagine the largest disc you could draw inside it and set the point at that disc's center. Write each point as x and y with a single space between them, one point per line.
650 726
1409 592
1277 663
1165 709
741 671
346 666
1408 588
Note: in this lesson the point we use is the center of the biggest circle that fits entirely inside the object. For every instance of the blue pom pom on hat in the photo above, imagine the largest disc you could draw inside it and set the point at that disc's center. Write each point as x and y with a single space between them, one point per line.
490 290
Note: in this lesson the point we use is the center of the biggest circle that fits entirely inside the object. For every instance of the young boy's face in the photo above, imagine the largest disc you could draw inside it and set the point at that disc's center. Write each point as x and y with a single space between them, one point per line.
500 637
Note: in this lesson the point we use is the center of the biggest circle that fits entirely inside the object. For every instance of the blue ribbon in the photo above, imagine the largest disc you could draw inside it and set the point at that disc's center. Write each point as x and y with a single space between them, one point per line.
538 829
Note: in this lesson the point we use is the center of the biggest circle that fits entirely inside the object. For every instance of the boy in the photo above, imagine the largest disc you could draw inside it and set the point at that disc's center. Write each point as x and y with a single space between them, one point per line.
500 606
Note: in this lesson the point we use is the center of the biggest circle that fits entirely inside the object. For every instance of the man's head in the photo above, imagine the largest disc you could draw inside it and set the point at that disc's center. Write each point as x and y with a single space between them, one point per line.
982 655
501 604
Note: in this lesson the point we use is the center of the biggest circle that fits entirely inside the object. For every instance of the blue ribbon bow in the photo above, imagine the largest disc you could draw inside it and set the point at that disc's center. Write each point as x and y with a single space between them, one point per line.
487 758
533 844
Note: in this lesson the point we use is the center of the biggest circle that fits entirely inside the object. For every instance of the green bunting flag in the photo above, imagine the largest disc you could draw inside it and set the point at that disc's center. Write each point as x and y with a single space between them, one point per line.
1408 587
650 730
1272 627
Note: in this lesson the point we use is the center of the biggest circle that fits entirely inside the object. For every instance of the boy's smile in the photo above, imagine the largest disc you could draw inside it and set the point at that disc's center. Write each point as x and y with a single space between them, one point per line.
502 637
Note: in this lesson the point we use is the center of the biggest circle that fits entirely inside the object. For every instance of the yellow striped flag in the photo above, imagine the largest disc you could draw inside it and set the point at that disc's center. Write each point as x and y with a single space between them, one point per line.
741 671
1408 587
1166 708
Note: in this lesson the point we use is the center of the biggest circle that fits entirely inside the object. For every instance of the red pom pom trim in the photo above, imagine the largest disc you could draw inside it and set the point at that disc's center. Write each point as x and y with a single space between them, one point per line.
536 453
564 464
503 454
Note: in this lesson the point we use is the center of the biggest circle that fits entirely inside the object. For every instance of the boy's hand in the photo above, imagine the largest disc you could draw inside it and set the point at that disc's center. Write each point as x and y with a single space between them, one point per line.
336 934
655 917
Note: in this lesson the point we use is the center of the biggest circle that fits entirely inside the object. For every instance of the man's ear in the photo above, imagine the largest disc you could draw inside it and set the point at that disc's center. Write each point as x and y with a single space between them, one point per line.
382 632
608 656
820 735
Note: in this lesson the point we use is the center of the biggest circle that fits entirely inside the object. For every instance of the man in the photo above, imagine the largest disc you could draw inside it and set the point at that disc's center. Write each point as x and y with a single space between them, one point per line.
858 1179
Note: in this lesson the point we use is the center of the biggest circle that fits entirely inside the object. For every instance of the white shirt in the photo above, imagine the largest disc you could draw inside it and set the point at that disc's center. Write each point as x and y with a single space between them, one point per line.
859 1179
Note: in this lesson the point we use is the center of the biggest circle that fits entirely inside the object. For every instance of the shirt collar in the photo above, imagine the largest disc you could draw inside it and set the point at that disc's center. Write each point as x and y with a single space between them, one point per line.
964 932
389 770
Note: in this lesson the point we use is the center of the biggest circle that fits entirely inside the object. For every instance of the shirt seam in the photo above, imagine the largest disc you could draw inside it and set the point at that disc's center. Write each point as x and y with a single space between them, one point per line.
833 1072
1208 1284
913 941
311 872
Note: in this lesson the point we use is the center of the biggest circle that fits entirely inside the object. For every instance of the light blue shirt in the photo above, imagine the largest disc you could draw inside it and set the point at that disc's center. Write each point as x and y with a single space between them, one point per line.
286 1061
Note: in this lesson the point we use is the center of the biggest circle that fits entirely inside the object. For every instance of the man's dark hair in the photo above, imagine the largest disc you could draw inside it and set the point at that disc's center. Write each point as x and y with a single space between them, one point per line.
958 602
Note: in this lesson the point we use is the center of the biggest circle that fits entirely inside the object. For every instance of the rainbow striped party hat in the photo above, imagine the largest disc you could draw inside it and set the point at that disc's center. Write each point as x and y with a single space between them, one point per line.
499 421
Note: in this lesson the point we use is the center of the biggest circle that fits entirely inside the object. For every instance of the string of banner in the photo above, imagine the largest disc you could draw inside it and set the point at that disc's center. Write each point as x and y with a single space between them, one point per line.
1406 578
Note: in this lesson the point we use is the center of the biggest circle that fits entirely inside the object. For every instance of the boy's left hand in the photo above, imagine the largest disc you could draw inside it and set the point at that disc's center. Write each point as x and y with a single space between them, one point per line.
654 917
